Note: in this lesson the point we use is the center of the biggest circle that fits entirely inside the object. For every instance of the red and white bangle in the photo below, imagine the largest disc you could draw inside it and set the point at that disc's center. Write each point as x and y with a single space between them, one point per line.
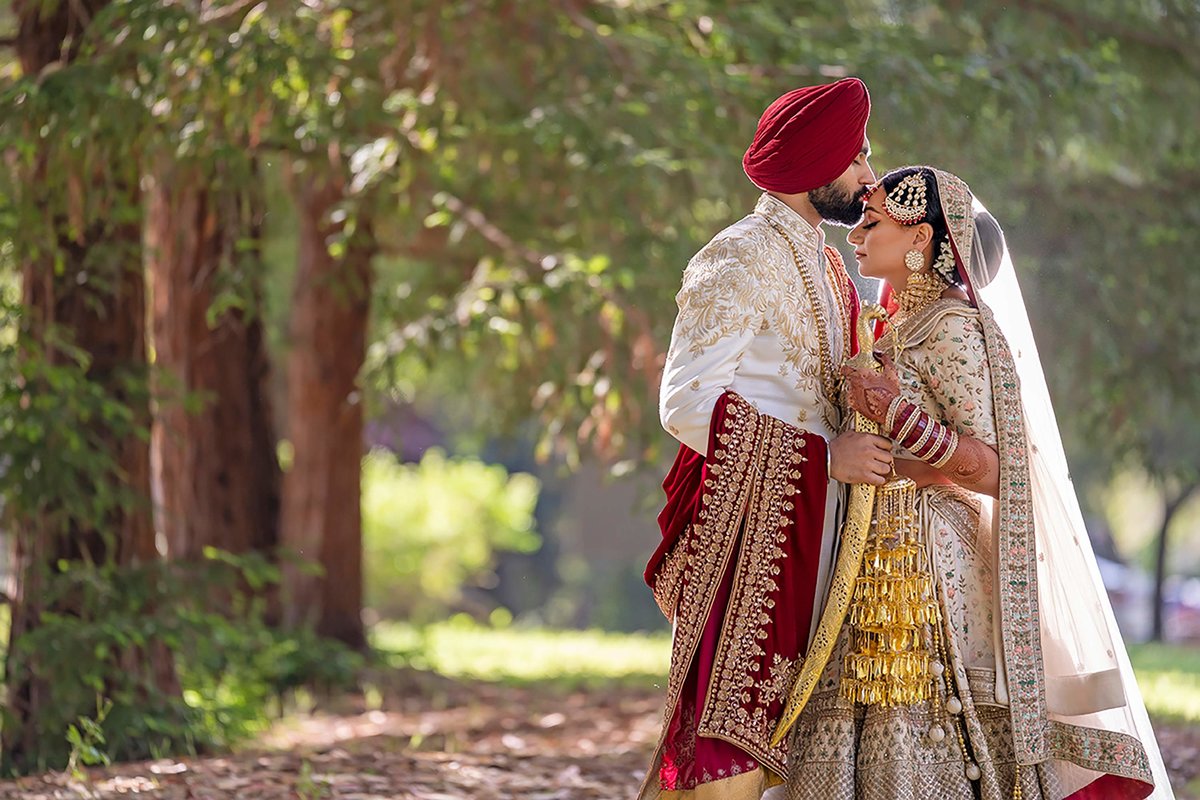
929 440
906 419
926 428
940 460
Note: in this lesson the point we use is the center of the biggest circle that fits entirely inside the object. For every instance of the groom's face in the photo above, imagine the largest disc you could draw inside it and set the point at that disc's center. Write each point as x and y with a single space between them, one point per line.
841 202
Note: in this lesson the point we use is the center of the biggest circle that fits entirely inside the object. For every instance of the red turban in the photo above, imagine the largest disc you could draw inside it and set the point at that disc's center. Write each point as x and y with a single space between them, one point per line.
809 137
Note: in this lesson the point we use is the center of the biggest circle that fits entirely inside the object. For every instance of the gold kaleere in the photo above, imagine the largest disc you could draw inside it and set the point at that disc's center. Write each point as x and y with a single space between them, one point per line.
892 603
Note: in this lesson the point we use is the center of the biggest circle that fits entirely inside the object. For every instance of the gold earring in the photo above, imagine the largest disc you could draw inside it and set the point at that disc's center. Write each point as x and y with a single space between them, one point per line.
915 260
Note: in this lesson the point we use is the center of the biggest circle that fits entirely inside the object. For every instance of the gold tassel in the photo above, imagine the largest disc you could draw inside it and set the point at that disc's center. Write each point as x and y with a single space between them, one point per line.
891 605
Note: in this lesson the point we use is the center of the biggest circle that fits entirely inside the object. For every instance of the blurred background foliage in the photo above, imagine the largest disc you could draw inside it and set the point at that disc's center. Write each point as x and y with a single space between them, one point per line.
244 244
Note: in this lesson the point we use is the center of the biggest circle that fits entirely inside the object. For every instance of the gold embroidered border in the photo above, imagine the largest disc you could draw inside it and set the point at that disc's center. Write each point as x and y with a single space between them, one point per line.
736 680
709 545
959 508
1035 736
1101 751
752 478
1020 621
746 786
668 580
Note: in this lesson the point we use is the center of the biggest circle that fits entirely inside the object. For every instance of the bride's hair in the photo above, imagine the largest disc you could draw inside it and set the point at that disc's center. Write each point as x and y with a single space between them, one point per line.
933 207
987 231
989 238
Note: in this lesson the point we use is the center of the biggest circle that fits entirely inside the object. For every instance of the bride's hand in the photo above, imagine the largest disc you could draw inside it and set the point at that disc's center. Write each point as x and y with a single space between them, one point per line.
870 393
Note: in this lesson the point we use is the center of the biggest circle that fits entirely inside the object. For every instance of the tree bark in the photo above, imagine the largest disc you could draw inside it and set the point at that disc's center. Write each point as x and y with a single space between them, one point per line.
1173 505
95 296
217 477
321 515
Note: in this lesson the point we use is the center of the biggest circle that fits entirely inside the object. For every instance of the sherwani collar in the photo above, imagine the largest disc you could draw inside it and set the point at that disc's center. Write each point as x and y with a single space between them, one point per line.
810 241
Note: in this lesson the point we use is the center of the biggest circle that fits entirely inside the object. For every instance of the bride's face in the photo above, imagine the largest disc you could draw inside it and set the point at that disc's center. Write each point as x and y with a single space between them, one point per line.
880 242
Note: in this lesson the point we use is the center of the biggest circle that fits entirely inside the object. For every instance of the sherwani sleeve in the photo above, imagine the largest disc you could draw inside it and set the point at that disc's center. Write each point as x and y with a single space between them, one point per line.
720 311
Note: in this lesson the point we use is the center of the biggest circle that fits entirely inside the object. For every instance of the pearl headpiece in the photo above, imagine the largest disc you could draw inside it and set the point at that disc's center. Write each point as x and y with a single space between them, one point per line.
907 203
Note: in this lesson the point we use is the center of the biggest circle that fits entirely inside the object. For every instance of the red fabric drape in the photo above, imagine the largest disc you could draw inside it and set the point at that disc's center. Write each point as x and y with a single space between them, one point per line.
1112 787
794 538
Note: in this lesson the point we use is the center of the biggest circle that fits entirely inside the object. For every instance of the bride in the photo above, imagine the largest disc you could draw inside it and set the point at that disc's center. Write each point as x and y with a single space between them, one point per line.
984 660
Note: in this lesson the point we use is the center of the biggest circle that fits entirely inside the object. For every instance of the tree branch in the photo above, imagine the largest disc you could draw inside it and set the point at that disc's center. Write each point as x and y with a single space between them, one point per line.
230 11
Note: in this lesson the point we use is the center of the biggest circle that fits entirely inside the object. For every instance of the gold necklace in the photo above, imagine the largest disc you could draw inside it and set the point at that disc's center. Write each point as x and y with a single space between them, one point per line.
923 289
835 273
830 381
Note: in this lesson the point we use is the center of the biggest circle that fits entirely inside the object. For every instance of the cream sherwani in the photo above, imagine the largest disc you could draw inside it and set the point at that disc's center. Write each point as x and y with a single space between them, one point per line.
750 322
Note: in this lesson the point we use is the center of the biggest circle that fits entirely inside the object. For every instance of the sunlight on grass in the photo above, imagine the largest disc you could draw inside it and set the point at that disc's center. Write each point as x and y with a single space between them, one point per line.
464 649
1169 677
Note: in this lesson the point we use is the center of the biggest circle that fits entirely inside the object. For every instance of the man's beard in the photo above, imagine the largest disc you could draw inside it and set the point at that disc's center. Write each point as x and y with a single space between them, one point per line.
838 206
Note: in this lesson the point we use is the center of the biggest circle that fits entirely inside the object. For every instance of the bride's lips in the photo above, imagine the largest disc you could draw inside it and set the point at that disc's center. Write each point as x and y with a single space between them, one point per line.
859 255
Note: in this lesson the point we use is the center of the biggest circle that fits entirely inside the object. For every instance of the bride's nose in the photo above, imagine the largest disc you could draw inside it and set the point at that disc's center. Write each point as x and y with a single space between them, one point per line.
855 236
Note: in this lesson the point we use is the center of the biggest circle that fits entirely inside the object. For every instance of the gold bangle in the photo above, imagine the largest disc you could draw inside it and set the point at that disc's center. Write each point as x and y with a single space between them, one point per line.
935 441
893 409
909 424
944 460
917 445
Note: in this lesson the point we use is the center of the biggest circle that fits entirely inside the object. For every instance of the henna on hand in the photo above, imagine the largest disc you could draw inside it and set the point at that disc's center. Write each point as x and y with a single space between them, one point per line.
975 466
870 393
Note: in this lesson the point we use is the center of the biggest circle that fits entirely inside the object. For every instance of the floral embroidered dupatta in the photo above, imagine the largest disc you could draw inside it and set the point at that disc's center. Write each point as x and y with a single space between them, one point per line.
1062 665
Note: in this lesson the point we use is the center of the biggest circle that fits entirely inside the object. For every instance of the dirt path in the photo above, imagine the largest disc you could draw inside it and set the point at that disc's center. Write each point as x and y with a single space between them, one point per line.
461 741
467 741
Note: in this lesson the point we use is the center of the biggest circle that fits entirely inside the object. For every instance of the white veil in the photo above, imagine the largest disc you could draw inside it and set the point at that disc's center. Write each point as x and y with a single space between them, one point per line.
1089 699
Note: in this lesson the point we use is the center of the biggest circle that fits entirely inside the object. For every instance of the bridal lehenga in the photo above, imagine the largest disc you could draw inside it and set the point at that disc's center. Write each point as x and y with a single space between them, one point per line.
1028 691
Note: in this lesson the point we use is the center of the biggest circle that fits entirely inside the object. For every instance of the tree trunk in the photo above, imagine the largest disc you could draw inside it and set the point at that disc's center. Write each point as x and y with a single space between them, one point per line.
1173 506
217 477
321 516
94 296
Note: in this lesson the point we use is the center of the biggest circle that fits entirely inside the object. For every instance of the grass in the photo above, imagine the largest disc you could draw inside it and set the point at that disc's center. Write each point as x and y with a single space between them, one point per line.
1169 675
463 649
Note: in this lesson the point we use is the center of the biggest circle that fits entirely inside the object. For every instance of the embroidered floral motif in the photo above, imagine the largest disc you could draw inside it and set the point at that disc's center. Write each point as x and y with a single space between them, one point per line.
777 684
669 578
747 497
744 285
943 368
737 708
1020 623
721 295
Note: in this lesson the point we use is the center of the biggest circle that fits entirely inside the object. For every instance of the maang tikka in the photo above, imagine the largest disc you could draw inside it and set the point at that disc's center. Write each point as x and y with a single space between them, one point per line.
907 203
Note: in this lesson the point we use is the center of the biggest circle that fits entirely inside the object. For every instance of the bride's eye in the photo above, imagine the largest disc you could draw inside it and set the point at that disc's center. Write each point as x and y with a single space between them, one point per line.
867 226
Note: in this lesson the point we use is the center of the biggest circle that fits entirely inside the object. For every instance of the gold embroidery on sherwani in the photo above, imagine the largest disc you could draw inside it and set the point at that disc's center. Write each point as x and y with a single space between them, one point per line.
721 294
793 311
735 680
668 580
746 501
745 286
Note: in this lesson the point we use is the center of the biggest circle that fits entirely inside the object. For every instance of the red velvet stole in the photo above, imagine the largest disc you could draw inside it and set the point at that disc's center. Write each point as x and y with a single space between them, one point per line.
736 572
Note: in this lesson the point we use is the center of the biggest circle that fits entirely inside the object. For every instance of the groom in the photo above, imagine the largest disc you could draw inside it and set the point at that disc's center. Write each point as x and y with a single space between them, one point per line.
766 317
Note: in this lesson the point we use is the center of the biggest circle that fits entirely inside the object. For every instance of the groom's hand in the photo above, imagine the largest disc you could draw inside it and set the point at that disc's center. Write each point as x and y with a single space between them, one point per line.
860 458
